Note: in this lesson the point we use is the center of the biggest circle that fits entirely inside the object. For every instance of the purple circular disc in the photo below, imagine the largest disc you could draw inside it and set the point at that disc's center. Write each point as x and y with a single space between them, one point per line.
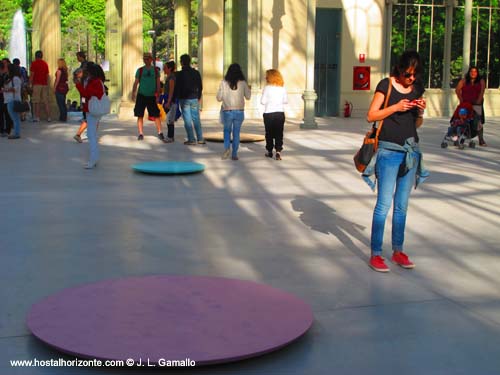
150 319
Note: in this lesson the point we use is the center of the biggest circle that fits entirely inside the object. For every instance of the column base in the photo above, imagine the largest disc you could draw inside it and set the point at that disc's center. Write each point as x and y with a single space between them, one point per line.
126 110
309 122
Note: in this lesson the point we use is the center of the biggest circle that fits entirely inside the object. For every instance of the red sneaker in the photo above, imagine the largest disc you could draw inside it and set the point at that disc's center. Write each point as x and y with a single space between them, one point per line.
401 259
378 264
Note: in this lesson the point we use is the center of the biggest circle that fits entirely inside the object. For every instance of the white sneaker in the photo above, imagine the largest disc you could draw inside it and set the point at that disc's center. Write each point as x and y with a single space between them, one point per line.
226 153
90 165
49 119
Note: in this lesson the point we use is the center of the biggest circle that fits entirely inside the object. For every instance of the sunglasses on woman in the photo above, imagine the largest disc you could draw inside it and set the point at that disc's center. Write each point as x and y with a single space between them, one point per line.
408 74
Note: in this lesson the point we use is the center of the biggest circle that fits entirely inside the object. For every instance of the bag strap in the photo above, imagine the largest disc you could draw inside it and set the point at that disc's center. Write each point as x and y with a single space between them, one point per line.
157 72
385 106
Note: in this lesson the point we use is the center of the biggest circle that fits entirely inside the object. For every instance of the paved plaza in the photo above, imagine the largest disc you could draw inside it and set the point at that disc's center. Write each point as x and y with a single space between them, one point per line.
301 225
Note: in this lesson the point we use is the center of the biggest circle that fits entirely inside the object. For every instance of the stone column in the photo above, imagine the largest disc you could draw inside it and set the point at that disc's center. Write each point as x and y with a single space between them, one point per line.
211 52
48 38
132 50
310 95
388 38
229 30
35 32
255 72
114 52
446 102
182 22
467 35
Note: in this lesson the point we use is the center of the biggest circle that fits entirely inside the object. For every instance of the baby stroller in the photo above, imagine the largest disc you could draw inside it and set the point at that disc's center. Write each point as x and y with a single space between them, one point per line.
463 127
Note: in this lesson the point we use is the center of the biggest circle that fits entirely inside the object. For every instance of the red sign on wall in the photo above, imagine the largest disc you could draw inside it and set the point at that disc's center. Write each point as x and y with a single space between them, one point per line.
361 78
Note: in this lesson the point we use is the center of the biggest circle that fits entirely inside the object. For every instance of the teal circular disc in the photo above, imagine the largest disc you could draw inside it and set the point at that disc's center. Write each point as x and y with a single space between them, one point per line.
168 167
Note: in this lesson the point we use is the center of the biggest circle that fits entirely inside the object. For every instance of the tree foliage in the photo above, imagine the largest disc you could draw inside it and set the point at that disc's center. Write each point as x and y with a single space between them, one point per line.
83 26
420 24
7 11
159 16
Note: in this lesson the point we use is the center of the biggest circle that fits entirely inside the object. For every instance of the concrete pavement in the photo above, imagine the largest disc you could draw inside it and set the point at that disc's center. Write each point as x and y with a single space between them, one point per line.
301 224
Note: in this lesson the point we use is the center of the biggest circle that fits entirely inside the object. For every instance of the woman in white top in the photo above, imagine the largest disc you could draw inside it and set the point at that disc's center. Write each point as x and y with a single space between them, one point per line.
12 92
232 93
274 98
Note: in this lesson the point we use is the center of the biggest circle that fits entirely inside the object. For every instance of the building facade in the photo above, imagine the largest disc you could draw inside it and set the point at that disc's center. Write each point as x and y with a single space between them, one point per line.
329 51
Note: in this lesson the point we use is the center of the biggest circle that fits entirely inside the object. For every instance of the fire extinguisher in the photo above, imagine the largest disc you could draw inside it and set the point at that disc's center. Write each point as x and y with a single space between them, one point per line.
347 109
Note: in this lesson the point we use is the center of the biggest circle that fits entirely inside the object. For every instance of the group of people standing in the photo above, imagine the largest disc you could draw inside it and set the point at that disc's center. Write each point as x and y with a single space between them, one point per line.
11 85
398 101
183 88
16 86
182 91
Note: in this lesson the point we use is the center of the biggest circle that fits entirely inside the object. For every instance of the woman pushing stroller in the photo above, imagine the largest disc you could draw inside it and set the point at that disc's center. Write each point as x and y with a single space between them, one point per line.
470 90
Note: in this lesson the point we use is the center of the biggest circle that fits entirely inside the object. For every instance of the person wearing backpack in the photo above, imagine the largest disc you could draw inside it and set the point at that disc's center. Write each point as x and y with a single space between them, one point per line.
147 78
188 89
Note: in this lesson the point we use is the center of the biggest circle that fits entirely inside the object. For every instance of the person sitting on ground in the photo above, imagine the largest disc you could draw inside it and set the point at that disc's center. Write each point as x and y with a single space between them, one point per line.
459 124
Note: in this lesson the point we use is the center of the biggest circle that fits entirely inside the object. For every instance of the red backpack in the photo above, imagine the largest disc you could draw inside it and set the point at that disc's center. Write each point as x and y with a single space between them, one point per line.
157 72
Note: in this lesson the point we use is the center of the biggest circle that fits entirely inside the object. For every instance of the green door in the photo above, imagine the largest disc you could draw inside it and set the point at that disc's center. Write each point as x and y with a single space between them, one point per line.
326 63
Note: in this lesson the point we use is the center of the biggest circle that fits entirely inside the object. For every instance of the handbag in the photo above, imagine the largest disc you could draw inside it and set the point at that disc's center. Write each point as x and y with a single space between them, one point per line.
100 107
370 142
62 88
21 106
163 113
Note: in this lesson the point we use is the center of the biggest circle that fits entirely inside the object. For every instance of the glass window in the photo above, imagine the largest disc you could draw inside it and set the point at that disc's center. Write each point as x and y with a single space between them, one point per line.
420 24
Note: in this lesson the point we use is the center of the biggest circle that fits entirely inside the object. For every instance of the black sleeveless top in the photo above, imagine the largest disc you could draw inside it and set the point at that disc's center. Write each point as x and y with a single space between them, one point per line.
400 125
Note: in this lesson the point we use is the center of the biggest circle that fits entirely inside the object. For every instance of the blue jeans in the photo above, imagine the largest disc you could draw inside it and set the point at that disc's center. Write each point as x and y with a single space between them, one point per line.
16 118
232 124
390 187
61 104
191 116
92 123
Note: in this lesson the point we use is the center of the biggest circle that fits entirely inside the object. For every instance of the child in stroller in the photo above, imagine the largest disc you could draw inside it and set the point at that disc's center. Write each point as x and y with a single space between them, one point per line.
463 127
